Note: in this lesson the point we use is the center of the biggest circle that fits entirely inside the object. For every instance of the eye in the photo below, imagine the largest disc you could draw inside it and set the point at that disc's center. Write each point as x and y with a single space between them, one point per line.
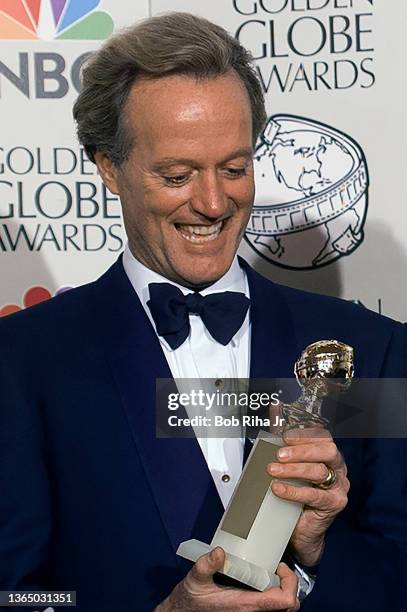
176 180
236 172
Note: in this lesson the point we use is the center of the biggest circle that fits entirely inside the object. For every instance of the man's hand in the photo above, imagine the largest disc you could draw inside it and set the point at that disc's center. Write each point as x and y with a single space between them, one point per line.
198 592
306 456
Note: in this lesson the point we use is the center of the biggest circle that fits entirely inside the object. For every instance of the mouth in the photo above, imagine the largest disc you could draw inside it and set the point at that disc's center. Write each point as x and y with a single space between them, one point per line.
199 234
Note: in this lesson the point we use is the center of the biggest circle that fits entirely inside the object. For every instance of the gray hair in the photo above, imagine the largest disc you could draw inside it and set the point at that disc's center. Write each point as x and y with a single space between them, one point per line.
175 43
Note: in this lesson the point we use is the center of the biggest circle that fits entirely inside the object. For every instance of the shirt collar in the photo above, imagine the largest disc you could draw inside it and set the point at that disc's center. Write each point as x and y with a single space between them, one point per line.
140 277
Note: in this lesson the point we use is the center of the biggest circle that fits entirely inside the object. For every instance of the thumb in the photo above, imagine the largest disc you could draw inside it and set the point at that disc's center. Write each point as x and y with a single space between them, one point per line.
288 584
208 565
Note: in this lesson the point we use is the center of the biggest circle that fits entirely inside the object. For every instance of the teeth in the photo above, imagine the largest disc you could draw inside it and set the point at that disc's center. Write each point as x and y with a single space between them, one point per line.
200 233
202 230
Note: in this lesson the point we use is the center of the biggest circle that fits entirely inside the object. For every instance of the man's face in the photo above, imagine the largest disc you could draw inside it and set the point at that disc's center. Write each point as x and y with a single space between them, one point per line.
187 187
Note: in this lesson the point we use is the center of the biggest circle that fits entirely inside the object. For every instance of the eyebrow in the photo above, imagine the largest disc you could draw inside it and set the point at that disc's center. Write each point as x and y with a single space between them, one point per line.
166 162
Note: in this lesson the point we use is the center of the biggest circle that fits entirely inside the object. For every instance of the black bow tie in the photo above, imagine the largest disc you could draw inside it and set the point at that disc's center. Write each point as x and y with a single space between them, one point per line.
222 313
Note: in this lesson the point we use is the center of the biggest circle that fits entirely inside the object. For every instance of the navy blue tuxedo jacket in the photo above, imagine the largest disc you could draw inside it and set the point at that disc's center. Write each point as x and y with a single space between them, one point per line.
91 501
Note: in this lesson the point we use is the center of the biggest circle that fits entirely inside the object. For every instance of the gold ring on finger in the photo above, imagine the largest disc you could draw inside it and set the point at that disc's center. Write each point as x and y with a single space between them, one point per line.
329 481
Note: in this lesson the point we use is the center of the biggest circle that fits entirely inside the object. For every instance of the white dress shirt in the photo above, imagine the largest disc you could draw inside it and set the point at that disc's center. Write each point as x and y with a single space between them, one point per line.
202 357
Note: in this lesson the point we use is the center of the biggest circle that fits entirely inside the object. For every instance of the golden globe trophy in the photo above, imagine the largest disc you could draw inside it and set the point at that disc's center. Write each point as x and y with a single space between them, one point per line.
257 525
324 367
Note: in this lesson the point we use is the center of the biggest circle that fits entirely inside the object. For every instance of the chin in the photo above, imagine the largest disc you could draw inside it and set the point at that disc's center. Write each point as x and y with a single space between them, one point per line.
201 269
202 280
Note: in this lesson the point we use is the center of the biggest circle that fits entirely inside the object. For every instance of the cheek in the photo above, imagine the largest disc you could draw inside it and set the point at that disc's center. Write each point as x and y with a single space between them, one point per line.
244 197
161 202
244 190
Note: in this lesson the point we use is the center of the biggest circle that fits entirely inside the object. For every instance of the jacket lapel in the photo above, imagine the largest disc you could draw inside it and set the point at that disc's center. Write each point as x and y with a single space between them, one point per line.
182 487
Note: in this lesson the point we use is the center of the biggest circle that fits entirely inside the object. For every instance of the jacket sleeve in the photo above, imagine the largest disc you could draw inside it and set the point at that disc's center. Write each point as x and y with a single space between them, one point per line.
25 508
365 559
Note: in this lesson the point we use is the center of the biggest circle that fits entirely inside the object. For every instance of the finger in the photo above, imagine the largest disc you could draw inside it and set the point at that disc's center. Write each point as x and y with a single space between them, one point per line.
288 584
334 499
320 452
306 435
288 579
277 598
313 472
297 607
207 565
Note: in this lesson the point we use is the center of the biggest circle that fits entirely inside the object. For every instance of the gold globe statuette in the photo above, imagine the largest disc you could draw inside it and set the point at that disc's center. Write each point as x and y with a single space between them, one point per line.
324 367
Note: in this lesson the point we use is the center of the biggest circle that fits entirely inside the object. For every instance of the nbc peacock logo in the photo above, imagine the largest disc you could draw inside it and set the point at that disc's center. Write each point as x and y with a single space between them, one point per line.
53 20
32 297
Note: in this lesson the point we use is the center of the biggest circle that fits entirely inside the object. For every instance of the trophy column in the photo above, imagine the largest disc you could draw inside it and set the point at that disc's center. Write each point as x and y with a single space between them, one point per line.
257 525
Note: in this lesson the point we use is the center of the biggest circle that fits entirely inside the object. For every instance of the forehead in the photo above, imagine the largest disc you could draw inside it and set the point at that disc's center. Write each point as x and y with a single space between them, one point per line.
177 110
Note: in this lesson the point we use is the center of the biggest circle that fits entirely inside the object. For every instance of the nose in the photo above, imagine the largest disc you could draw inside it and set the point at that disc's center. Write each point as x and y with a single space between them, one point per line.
209 198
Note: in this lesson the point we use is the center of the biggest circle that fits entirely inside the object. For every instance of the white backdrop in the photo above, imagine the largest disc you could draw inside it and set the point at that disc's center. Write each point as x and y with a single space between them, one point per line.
330 213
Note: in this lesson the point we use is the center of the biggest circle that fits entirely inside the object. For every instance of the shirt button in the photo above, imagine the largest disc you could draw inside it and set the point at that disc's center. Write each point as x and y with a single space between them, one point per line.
225 478
218 383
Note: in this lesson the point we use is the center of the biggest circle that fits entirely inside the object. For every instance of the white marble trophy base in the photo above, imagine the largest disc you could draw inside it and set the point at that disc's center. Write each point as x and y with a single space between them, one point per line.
256 577
256 526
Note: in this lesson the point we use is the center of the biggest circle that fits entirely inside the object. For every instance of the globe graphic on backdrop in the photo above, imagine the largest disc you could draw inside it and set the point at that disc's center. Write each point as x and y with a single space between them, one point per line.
311 194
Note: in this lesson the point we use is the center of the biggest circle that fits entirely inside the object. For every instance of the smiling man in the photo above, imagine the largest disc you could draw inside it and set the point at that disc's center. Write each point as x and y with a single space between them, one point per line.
170 111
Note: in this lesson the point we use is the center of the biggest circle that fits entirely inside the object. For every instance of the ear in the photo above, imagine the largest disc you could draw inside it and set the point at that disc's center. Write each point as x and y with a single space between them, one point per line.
107 171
